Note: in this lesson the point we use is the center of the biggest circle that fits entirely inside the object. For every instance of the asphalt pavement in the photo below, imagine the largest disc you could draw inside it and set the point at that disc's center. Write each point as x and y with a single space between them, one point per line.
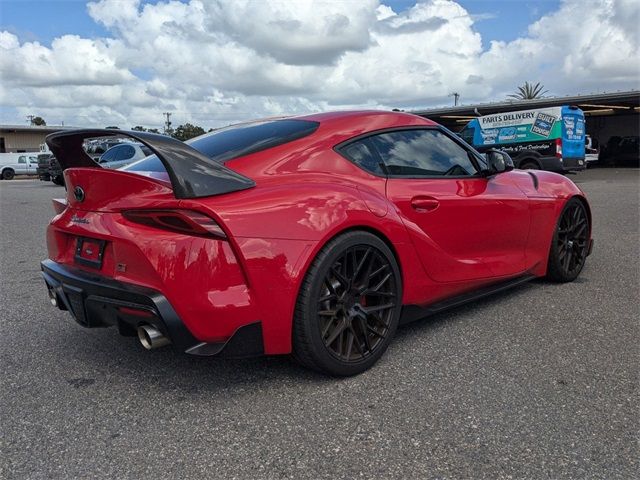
538 382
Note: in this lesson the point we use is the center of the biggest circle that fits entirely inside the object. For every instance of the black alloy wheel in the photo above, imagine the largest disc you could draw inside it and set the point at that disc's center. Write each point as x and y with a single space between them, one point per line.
356 303
570 245
349 305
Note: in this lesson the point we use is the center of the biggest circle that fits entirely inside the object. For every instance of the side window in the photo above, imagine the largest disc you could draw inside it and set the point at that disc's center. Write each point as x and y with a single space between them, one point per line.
125 152
22 159
363 155
429 152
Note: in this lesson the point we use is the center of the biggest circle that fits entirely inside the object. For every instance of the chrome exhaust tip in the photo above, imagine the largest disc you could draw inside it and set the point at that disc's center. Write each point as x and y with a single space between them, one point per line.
150 337
53 298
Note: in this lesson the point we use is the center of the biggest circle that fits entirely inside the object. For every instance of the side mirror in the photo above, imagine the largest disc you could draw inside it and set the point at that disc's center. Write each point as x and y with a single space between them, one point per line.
498 162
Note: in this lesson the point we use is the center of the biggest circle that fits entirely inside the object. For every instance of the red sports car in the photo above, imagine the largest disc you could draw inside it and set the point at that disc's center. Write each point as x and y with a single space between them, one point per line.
315 235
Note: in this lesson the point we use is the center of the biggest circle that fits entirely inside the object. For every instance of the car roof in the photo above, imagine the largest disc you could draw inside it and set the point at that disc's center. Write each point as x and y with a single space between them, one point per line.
343 125
364 115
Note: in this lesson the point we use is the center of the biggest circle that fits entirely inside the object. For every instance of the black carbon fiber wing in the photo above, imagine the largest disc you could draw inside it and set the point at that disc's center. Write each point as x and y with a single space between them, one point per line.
192 173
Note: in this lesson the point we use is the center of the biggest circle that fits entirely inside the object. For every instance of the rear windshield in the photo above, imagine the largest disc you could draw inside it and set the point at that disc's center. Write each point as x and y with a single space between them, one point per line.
237 140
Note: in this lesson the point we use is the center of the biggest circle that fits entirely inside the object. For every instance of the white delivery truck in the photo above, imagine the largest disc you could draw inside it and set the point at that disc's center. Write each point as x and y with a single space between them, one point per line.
550 138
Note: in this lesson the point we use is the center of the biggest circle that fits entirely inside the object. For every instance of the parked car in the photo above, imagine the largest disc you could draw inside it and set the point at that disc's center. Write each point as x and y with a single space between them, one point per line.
97 148
314 235
119 155
621 151
123 154
12 164
55 171
591 150
44 162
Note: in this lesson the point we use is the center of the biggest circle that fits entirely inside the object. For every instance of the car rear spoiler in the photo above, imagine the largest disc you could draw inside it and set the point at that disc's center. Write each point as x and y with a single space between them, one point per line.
192 173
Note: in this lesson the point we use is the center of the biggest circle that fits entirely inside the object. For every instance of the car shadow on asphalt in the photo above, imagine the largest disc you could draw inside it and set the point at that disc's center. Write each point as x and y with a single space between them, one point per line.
462 312
106 354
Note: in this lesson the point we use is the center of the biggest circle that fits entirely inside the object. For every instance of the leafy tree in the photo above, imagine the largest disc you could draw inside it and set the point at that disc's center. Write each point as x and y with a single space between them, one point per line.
529 91
140 128
39 121
187 131
112 127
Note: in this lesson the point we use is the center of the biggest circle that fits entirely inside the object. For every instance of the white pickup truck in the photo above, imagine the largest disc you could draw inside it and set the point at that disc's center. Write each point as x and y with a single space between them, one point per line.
12 164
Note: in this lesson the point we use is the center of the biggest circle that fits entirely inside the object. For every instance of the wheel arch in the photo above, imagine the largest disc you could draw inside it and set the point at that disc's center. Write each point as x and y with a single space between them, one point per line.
363 228
529 159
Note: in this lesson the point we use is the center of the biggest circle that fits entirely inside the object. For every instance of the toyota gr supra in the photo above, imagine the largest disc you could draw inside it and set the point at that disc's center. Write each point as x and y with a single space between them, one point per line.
314 235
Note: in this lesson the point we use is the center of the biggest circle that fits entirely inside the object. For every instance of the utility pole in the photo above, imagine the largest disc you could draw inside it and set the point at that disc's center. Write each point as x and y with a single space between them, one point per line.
455 96
167 123
30 118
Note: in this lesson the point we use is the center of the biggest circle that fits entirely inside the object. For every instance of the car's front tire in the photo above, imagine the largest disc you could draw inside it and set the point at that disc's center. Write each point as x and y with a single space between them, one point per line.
349 305
570 243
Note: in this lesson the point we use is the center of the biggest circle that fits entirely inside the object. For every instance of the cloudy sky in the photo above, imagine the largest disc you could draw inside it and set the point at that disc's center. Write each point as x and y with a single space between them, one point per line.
213 62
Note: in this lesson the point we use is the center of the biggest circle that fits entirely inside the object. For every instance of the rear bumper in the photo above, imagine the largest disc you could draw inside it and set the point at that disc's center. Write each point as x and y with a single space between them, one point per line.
572 164
97 301
554 164
43 174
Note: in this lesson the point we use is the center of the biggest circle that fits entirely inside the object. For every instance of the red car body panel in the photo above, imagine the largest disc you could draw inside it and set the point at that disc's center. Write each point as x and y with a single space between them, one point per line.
464 233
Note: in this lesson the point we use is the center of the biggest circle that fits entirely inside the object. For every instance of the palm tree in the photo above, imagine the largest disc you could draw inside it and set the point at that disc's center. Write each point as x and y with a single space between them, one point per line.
529 91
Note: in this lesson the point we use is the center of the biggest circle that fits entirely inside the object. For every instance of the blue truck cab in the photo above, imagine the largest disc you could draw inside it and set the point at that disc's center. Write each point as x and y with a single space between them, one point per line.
546 138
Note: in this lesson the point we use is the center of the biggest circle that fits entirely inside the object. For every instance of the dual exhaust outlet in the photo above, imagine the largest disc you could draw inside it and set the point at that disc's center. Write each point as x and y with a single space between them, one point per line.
150 337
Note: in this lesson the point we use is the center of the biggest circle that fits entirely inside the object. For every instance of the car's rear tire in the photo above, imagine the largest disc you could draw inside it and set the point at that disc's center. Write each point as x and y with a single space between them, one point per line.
8 174
349 305
570 243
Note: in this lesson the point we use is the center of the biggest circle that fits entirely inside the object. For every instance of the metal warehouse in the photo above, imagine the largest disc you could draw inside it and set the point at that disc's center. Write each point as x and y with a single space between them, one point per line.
608 115
21 138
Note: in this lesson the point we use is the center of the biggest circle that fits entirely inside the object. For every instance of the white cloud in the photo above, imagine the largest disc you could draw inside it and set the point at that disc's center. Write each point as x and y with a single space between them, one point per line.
71 60
214 62
600 55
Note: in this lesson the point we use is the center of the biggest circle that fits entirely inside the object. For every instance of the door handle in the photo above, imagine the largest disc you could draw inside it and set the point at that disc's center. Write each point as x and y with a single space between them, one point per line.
424 204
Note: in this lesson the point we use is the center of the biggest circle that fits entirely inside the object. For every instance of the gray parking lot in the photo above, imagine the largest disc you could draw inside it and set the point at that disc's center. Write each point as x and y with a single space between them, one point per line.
538 382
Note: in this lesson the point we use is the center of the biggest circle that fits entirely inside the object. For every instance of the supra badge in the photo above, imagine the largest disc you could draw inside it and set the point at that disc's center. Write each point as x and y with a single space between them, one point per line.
78 193
76 219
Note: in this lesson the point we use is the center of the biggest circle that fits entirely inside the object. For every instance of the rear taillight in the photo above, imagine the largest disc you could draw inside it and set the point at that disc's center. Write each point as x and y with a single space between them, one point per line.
181 221
559 147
